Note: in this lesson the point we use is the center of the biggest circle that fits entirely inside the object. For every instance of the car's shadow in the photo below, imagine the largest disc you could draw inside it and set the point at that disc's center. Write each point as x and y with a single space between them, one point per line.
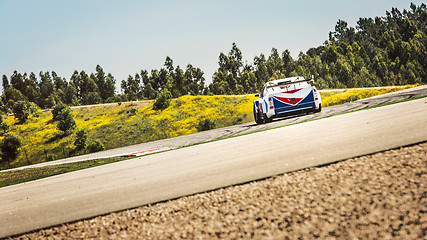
288 116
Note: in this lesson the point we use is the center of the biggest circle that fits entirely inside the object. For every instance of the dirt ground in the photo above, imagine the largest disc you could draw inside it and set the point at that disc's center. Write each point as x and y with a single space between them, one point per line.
379 196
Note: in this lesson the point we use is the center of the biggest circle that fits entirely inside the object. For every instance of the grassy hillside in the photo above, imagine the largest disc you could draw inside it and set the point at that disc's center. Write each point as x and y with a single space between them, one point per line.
117 125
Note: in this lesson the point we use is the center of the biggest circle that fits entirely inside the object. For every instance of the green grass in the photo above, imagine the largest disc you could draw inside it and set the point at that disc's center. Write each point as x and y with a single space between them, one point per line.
25 175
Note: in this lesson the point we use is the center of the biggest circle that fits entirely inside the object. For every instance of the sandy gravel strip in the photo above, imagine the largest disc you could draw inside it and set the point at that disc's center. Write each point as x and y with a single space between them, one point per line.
379 196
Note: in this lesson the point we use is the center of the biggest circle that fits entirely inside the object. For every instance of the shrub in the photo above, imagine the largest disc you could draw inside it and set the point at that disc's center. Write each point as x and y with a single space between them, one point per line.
33 107
95 146
132 111
162 100
3 125
206 124
49 158
21 109
10 147
66 123
56 110
62 114
81 139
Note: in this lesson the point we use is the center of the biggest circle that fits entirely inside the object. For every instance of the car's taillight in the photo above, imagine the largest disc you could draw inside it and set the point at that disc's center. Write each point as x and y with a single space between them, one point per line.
271 102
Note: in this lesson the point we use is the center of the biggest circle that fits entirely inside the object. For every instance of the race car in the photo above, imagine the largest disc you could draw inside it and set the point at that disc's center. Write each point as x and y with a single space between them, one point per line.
286 96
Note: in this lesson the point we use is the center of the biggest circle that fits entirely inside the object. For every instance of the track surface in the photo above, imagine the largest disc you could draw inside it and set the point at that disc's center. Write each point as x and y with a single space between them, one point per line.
376 196
204 167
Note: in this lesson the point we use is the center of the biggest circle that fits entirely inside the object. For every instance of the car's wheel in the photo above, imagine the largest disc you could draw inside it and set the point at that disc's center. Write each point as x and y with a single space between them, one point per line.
319 109
257 117
267 119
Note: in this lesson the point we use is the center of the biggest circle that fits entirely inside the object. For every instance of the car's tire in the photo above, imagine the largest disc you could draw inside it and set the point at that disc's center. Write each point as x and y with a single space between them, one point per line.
319 109
267 119
257 117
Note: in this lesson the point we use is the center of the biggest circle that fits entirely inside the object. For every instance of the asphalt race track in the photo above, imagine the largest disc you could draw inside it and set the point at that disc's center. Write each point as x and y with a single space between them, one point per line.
168 175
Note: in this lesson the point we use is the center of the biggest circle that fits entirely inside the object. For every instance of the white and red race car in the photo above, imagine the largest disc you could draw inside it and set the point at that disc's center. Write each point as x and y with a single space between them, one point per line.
285 96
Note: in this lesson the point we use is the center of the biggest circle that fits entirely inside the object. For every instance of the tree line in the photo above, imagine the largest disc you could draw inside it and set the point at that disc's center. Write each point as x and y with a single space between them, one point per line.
379 51
48 89
389 50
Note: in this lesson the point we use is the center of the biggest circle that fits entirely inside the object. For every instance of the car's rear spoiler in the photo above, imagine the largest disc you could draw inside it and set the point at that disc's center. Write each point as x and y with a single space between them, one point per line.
284 83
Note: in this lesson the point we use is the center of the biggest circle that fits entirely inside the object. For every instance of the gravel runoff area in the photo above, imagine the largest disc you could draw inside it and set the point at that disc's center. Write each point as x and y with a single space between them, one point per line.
379 196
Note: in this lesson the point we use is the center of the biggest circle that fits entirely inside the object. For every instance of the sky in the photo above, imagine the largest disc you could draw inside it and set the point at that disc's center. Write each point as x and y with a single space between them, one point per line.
126 36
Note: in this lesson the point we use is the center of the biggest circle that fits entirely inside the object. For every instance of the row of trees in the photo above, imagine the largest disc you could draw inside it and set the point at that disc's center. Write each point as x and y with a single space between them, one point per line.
48 89
177 81
390 50
379 51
